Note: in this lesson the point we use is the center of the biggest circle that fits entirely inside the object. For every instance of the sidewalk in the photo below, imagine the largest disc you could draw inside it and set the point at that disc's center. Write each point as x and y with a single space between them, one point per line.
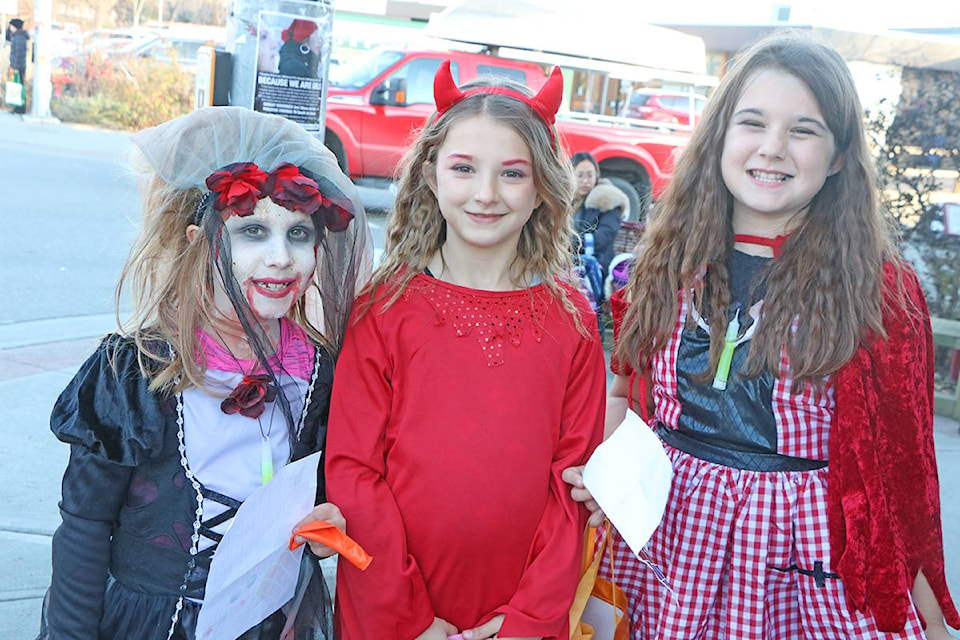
37 359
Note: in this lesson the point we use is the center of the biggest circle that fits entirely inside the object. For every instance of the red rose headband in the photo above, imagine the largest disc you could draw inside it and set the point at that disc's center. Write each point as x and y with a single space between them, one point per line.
545 103
239 186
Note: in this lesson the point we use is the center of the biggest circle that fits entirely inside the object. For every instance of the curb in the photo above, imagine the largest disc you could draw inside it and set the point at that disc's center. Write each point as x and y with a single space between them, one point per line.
52 330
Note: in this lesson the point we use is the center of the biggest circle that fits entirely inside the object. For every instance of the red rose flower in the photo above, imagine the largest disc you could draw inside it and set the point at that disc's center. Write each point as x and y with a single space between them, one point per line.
292 190
238 187
335 217
250 396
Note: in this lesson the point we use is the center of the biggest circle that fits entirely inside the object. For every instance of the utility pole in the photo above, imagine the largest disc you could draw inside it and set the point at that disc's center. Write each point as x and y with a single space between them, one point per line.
42 88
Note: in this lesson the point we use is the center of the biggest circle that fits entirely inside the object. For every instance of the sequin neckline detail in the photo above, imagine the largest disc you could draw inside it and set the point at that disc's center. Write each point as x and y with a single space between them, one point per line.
494 318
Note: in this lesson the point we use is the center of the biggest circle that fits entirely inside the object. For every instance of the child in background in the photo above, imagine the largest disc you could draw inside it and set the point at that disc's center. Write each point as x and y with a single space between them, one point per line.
217 379
472 375
783 351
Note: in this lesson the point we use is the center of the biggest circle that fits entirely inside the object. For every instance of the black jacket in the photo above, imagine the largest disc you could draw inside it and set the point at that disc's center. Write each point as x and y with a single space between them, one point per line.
18 50
600 214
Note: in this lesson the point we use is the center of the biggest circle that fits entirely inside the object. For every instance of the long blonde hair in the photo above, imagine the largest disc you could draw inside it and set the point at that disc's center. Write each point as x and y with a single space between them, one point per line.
416 229
828 278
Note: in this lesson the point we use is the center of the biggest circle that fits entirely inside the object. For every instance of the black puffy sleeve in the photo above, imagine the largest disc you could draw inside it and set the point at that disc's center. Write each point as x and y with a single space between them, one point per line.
108 408
111 421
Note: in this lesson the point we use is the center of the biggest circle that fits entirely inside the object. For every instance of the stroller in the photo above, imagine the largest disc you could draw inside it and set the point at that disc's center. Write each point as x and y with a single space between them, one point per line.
591 282
590 277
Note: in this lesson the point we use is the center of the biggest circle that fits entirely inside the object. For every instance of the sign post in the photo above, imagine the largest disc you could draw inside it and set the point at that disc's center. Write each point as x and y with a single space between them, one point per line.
281 58
42 87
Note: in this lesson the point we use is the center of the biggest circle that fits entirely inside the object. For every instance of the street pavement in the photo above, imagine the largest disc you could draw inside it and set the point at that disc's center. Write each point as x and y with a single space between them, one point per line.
40 353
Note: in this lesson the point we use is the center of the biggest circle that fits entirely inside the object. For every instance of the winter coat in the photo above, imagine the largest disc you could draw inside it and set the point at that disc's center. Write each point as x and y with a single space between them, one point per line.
18 50
601 214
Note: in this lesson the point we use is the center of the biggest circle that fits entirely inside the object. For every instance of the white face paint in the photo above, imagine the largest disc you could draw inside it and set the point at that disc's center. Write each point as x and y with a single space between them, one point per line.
274 258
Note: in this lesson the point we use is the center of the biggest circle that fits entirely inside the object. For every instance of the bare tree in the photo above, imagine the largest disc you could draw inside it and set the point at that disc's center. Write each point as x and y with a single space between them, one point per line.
103 11
137 10
918 156
198 11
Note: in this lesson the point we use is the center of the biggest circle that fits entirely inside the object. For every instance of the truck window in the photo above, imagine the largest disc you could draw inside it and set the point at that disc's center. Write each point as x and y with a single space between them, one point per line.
502 72
357 73
419 75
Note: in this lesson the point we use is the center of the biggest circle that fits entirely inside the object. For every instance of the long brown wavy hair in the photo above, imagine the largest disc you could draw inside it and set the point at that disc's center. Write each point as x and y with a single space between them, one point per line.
827 279
416 229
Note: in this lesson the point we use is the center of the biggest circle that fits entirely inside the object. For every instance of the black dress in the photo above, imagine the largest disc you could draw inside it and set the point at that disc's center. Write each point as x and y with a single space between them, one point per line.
125 558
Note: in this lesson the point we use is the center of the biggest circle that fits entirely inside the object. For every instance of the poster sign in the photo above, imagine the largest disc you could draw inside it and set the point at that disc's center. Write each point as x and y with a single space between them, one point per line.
291 71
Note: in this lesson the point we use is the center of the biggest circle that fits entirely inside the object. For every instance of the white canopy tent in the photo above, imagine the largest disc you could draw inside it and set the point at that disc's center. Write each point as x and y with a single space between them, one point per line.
609 36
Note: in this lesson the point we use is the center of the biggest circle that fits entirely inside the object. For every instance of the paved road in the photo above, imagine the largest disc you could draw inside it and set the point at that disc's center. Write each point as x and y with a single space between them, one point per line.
64 241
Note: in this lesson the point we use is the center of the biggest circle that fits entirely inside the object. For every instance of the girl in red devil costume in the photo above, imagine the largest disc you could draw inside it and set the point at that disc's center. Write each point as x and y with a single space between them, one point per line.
471 376
782 351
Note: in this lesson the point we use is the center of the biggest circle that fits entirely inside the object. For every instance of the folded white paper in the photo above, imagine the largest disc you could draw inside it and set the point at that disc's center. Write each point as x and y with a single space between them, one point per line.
629 476
253 572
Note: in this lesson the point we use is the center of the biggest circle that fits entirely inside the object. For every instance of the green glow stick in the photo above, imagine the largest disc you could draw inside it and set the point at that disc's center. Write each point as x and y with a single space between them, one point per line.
726 356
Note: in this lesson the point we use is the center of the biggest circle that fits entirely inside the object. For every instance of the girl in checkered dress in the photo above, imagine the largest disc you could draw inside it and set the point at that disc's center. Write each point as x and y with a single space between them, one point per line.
782 351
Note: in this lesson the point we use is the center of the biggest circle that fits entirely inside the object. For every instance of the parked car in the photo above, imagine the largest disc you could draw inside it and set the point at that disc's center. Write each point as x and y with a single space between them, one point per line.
161 45
673 107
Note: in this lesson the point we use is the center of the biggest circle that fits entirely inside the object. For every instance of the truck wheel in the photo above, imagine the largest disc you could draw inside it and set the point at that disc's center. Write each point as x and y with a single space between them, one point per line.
637 209
333 143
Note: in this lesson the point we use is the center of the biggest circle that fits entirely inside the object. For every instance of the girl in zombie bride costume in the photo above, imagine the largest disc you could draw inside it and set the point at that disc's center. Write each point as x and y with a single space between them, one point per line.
217 379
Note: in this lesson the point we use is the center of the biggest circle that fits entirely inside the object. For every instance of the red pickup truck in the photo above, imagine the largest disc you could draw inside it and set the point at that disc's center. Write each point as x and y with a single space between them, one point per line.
376 105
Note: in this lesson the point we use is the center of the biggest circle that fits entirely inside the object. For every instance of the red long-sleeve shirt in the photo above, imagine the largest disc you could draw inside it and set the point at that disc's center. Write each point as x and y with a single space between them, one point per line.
452 418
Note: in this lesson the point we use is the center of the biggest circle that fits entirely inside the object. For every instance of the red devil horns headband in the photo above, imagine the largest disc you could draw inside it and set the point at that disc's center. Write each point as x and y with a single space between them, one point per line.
545 103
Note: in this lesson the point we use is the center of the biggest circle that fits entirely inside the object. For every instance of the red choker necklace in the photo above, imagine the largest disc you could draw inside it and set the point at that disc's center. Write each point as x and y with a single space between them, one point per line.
774 243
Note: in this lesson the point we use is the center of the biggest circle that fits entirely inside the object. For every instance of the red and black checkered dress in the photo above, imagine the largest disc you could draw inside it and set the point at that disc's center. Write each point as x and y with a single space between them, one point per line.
741 552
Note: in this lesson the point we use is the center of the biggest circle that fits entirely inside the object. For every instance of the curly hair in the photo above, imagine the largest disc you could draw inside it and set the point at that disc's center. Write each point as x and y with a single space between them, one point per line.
823 294
417 230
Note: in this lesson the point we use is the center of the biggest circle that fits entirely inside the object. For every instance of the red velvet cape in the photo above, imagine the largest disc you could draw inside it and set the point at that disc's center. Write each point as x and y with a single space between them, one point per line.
883 491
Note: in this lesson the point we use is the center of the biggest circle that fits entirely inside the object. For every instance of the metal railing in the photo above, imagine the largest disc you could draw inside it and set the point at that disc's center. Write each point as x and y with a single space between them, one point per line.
946 333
